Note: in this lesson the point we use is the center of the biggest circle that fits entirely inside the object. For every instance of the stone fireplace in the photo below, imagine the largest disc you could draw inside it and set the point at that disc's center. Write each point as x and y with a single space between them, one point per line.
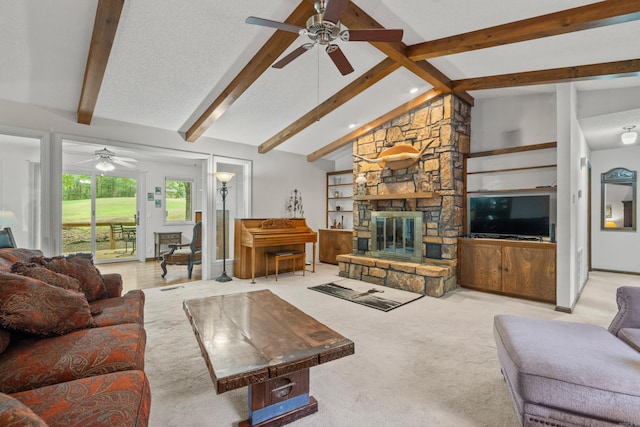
407 221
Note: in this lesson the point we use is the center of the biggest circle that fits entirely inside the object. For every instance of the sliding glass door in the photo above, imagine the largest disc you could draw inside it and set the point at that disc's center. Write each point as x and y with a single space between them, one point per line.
99 215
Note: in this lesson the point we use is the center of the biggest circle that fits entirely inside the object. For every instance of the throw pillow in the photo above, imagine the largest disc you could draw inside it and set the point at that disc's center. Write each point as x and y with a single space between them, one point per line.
79 266
5 338
45 275
31 306
14 413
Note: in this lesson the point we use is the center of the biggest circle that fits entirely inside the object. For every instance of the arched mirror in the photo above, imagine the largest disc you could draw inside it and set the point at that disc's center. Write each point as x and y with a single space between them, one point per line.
618 200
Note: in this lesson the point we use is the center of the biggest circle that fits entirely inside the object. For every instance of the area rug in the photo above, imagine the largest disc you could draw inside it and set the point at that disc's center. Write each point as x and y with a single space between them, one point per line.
434 359
378 297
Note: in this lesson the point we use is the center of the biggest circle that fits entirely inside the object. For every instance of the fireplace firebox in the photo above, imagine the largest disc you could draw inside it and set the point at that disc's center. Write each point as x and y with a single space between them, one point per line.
397 235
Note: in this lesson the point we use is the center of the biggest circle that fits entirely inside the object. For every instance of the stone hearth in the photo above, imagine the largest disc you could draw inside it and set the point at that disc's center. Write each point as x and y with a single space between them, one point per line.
434 186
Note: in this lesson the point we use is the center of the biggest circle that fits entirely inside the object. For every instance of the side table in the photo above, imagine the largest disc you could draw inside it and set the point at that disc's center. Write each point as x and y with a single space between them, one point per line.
165 238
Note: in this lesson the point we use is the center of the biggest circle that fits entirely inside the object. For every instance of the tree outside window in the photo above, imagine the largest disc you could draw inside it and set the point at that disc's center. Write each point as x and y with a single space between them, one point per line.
178 194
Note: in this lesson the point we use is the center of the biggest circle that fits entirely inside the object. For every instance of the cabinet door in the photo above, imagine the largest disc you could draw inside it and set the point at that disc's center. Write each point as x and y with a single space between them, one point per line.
334 243
479 266
529 272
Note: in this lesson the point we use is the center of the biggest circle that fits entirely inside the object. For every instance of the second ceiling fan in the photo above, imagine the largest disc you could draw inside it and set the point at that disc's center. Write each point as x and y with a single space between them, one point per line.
323 28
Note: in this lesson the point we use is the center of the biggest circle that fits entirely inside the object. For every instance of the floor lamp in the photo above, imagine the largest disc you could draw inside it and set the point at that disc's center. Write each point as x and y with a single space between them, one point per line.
224 177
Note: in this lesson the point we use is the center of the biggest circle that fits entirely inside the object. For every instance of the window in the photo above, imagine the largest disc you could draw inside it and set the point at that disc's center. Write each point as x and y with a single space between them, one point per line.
178 199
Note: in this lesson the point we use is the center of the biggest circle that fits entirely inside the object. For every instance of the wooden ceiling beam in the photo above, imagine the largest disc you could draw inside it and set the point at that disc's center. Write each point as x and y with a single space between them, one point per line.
362 83
104 32
616 69
393 114
355 18
270 51
586 17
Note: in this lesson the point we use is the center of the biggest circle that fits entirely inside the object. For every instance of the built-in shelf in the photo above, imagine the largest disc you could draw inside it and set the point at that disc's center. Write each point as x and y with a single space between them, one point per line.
339 200
397 196
512 190
529 171
513 169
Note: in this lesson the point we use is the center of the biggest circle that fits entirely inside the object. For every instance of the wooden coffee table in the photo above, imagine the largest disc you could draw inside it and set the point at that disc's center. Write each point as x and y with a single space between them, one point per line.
256 339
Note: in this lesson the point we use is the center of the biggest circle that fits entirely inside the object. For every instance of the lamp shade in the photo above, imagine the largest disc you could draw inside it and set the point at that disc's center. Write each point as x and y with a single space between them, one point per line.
7 219
224 176
361 179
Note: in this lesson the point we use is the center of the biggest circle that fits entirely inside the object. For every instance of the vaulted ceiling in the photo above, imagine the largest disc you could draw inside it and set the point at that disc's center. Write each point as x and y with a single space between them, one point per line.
197 68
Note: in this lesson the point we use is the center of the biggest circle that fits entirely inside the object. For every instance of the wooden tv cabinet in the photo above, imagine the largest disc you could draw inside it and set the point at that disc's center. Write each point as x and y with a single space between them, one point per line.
524 269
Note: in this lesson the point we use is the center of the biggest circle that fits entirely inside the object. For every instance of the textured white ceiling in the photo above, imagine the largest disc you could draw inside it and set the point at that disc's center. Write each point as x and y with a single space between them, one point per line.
170 59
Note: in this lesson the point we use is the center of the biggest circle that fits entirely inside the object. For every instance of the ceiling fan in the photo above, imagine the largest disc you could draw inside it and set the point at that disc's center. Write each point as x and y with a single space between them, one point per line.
323 28
106 160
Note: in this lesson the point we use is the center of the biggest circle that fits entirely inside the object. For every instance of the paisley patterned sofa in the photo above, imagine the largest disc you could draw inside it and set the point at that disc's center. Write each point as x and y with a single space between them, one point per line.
71 345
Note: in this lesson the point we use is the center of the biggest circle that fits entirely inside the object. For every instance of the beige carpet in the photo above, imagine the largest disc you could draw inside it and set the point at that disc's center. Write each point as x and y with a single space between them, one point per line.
428 363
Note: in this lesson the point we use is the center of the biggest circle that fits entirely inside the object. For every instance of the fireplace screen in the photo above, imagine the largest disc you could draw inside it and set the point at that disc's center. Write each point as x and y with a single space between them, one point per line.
397 235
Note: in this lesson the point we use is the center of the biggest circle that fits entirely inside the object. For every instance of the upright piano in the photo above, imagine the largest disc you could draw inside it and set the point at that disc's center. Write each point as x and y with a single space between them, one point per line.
254 237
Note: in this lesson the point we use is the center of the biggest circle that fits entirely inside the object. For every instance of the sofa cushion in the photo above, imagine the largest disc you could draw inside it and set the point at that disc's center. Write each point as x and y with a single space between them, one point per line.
9 256
81 267
36 362
45 275
113 283
119 399
14 413
631 336
128 308
5 339
31 306
574 367
628 316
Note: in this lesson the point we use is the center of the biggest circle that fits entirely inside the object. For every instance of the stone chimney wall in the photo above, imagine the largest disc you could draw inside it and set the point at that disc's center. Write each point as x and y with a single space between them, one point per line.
442 129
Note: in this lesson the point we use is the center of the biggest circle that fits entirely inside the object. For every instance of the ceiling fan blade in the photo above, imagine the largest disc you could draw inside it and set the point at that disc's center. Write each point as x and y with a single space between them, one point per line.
125 159
372 35
334 9
274 24
338 58
86 161
121 163
293 55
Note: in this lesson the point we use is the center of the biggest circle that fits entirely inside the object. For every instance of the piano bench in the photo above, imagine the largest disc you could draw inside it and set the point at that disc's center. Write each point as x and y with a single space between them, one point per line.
283 256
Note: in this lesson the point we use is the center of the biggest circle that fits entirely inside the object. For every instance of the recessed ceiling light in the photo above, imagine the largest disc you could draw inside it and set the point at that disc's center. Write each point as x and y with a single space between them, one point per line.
352 125
413 90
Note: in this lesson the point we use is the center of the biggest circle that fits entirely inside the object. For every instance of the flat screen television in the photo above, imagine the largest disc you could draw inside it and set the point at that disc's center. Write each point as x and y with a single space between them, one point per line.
510 215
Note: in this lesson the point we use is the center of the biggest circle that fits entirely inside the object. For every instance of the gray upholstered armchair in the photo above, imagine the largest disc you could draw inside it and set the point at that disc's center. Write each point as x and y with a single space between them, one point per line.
188 254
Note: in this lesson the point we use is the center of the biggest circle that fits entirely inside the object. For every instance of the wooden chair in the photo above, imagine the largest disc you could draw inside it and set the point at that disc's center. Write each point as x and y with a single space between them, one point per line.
124 234
181 255
6 238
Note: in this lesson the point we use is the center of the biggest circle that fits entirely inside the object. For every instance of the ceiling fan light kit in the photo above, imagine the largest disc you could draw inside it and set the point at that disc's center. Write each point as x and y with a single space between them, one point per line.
629 137
324 28
105 165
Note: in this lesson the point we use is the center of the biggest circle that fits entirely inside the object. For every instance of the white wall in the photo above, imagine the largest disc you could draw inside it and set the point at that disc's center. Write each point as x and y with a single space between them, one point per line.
275 174
513 121
613 250
572 250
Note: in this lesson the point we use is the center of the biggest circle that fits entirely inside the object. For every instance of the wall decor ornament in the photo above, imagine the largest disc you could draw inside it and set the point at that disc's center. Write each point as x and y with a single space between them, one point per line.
294 204
397 157
361 181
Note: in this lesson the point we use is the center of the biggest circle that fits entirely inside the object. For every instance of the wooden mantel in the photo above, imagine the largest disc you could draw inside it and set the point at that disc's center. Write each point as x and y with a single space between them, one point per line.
397 196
